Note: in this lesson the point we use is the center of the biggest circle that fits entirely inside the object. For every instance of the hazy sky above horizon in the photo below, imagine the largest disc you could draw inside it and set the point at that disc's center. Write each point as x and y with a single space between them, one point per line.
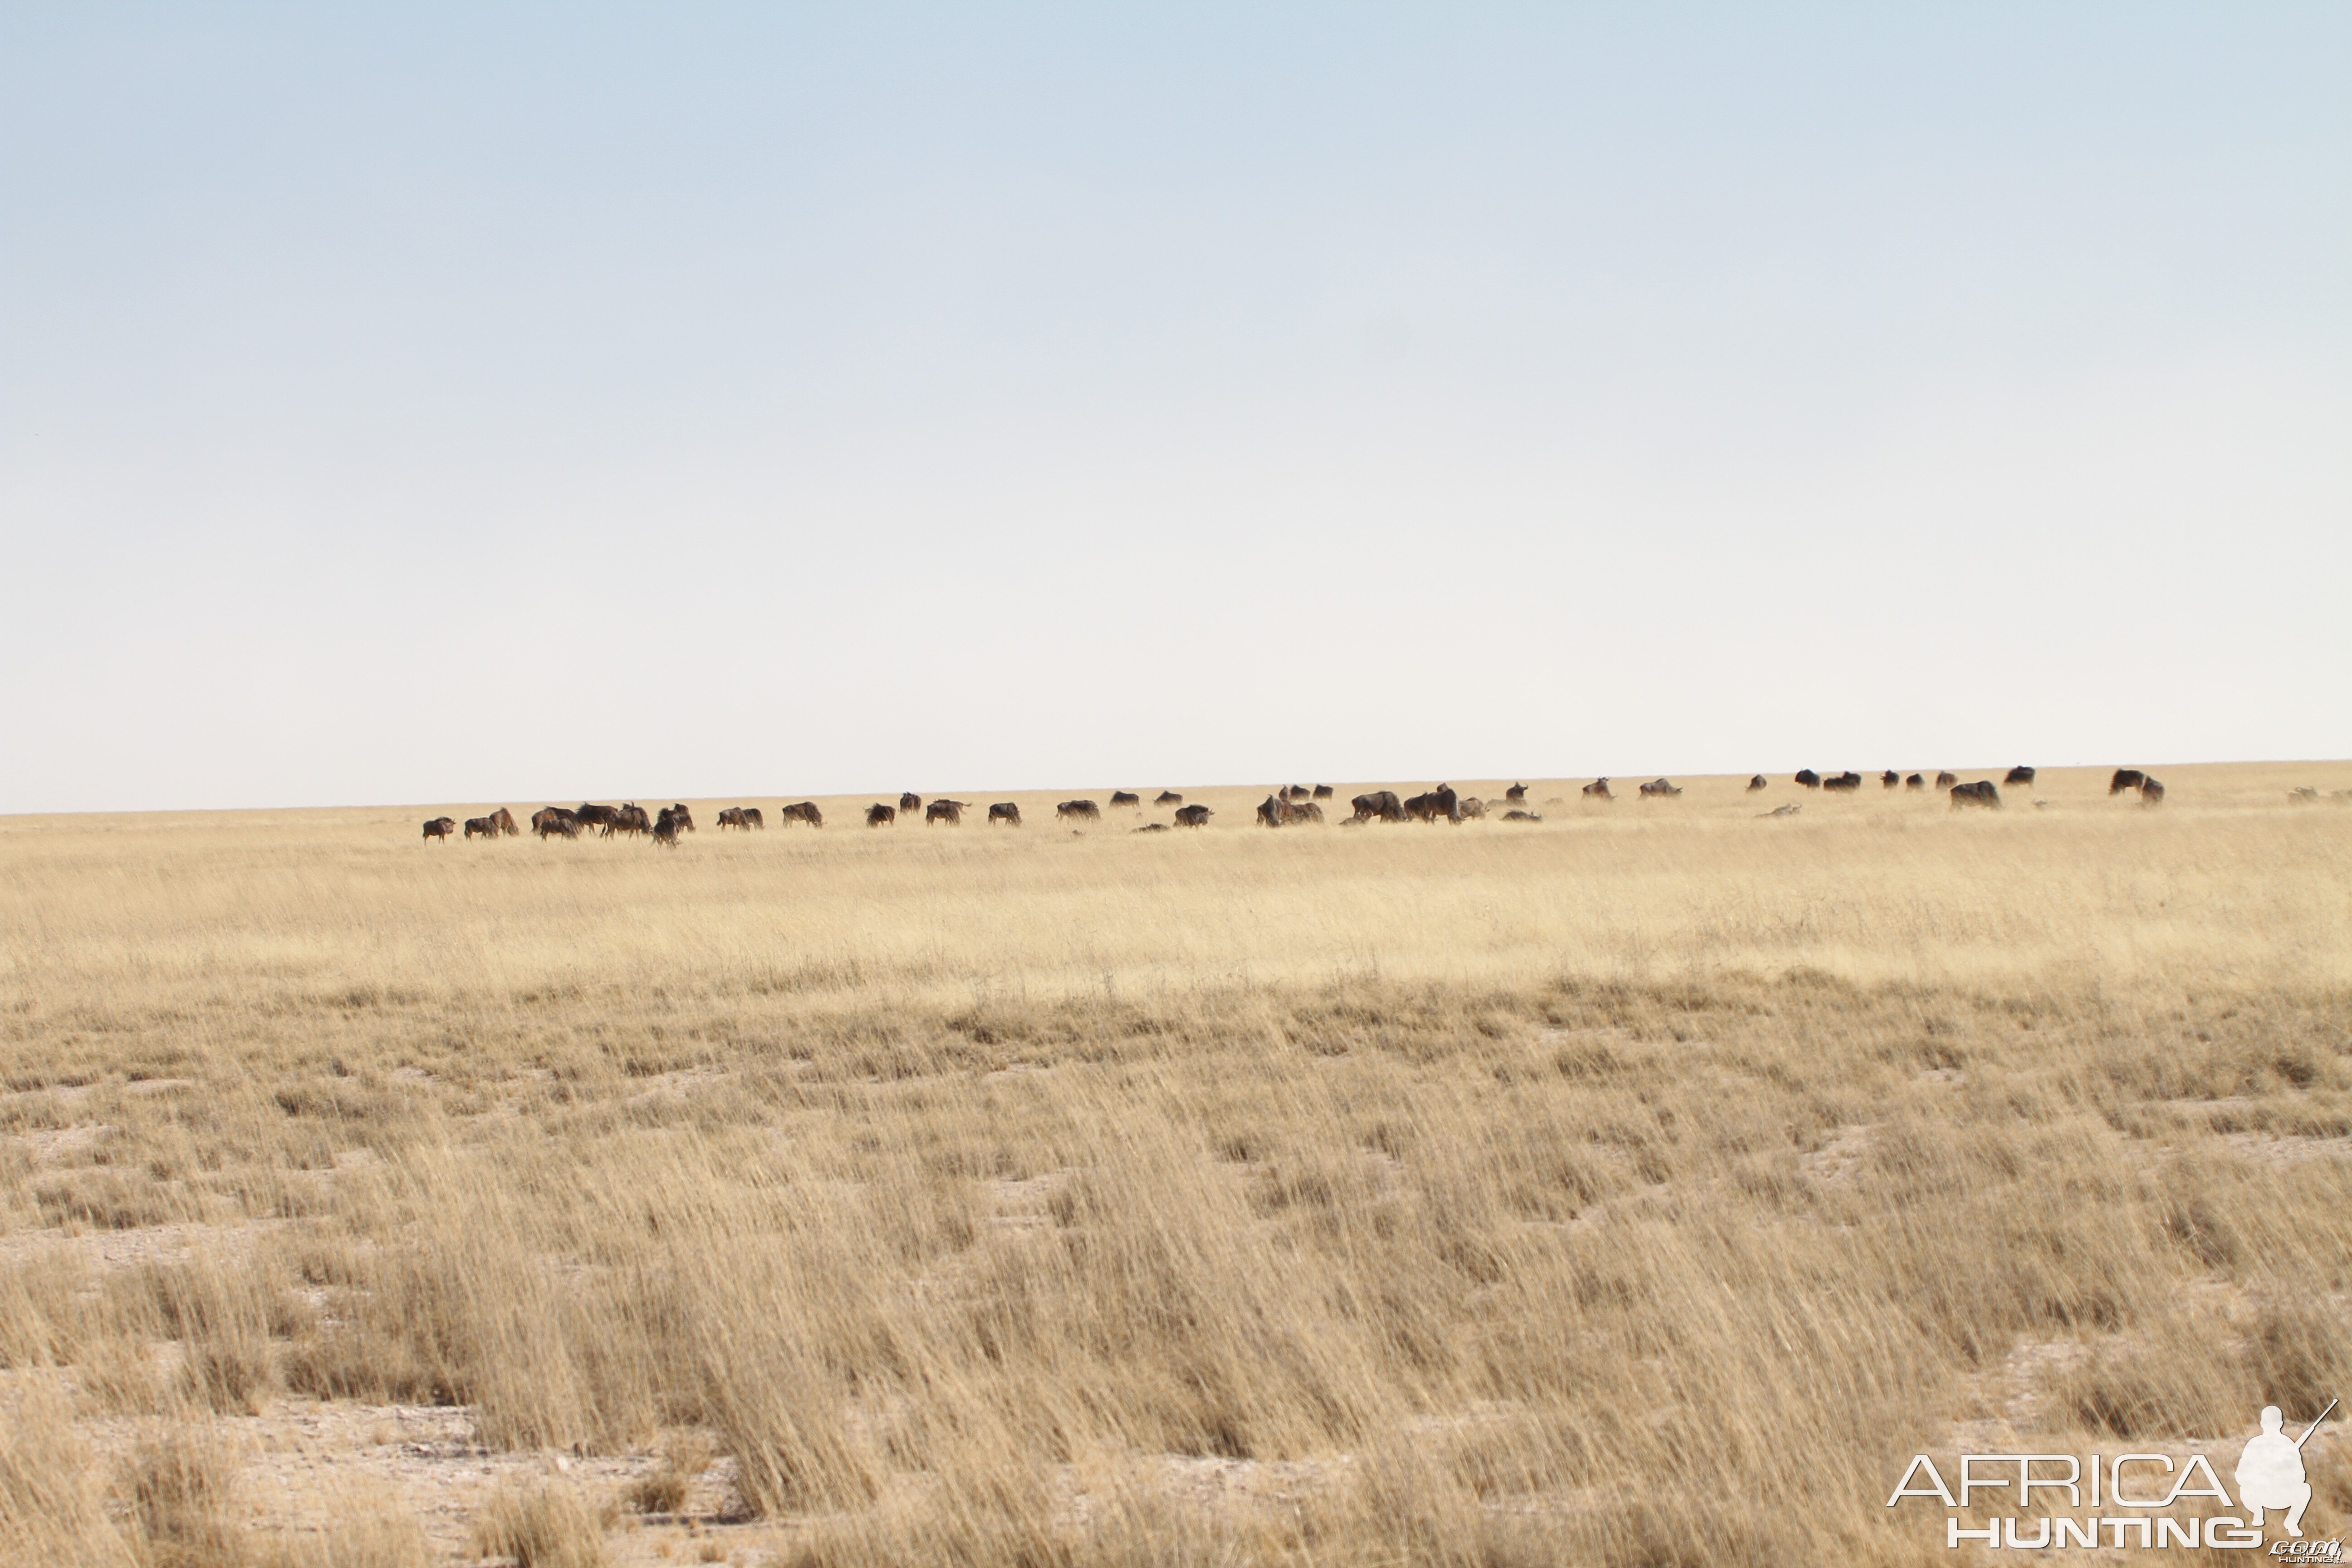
518 402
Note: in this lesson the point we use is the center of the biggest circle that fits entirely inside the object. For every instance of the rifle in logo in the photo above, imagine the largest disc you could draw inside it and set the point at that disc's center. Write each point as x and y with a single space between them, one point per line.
2270 1472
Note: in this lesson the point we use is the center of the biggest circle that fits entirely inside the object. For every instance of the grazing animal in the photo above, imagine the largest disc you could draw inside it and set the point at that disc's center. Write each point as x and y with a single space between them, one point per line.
440 827
631 818
2021 774
1473 806
945 810
481 825
546 813
1167 797
1980 792
1439 802
1079 811
1890 778
1297 792
1126 797
601 817
803 810
1756 784
881 815
684 818
1914 782
548 823
1848 781
1006 812
1324 792
1381 804
731 816
1660 787
1517 795
1599 789
2125 778
667 826
1947 779
1516 816
911 802
1277 812
1810 779
2151 791
1194 816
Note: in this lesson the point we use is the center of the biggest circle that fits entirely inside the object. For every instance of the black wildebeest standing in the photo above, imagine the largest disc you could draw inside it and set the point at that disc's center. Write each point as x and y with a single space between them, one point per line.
1810 779
1660 787
1167 797
1890 778
667 826
911 802
1980 792
631 818
945 810
2125 778
1756 784
2151 791
1599 790
1380 804
1079 811
600 817
1517 795
2021 774
1324 792
1848 781
1947 779
548 824
743 817
485 827
881 815
1914 782
684 817
1194 816
440 826
1297 792
1126 797
1439 802
1006 812
802 811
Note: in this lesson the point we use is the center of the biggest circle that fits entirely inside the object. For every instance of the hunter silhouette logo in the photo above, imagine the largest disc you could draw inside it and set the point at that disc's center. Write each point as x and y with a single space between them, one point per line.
2270 1478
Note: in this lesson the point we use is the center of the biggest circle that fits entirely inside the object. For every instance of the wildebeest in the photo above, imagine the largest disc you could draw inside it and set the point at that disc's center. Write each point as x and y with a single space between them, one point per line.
1517 795
684 817
1079 811
2021 774
667 826
1914 782
2125 778
1167 797
1380 803
743 817
911 802
1006 812
503 820
1473 806
1599 789
1660 787
631 818
2151 791
1126 797
1276 812
1890 778
1297 792
1194 816
601 817
1440 801
881 815
1980 792
440 826
485 827
1152 827
1756 784
1516 815
1947 779
548 824
945 810
1848 781
1324 792
1810 779
802 811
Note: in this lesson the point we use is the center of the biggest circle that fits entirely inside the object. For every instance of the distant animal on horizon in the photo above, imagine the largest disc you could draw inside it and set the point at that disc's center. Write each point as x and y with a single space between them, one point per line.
667 826
1006 812
802 811
1297 792
1277 812
1599 789
1472 807
2151 791
1947 779
2125 778
1378 806
1890 778
1194 816
1167 797
684 818
1810 779
911 802
1440 801
2021 774
881 815
1914 782
1980 792
1660 787
1756 784
503 820
945 810
1848 782
1517 795
440 826
550 824
1126 797
630 818
744 817
1079 811
487 828
1324 792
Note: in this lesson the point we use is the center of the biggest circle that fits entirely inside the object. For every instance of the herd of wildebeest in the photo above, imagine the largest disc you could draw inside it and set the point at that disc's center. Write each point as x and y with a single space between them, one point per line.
1287 807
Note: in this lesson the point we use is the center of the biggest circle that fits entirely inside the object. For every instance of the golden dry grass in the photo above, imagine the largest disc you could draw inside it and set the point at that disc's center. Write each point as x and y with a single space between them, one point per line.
1641 1186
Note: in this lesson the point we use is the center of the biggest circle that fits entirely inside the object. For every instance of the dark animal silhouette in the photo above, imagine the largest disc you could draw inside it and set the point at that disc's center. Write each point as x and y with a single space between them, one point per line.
911 802
945 810
684 817
1516 815
548 824
1276 812
1914 782
2151 791
1167 797
1297 792
1810 779
803 810
1473 806
1079 811
1323 792
1440 801
2019 774
1194 816
881 815
503 820
440 827
1980 792
2125 778
631 818
1516 794
482 825
1947 779
1006 812
743 817
600 817
1152 827
1599 790
1660 787
1126 797
1890 778
1756 784
1848 781
1381 804
667 826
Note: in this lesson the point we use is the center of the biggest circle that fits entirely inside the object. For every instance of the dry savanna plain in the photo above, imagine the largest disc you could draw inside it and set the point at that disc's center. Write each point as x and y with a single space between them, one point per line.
1642 1186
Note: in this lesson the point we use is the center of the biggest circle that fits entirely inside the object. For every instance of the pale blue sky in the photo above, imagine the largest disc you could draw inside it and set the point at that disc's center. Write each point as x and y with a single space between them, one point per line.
508 403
